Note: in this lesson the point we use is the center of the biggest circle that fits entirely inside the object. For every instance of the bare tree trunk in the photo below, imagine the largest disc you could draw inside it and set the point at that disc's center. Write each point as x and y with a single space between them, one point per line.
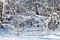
36 7
2 13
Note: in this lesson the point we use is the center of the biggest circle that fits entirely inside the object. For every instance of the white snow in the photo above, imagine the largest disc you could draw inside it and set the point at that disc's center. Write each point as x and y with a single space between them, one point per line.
49 37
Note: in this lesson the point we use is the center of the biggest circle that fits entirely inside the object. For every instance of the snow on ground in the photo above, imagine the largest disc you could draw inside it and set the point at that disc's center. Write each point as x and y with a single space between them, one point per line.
29 35
49 37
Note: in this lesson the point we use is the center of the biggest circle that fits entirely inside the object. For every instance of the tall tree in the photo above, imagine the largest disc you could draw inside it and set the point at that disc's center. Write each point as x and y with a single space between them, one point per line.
36 7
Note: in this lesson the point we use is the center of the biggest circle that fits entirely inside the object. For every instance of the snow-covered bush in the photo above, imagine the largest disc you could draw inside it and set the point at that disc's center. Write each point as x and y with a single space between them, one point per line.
19 15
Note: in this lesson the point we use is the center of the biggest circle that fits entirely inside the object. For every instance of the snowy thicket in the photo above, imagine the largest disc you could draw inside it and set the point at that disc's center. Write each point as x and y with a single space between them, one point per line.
20 15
